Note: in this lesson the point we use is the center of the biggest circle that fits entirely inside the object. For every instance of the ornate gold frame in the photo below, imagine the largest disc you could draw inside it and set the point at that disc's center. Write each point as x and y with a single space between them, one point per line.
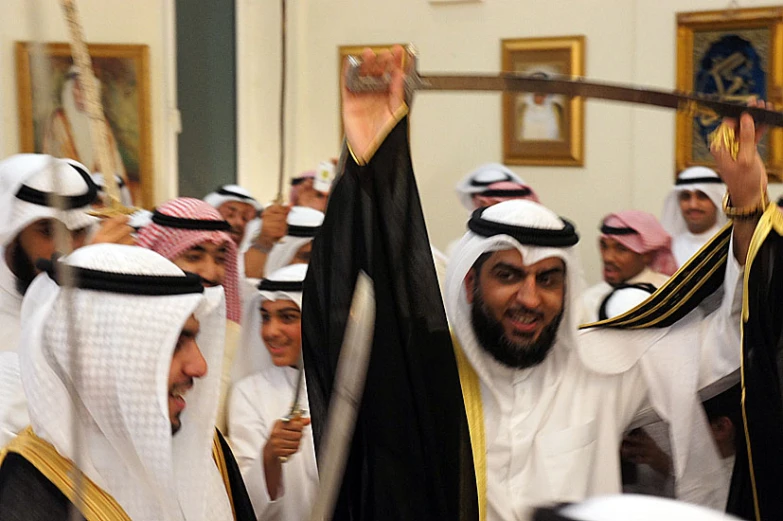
139 54
727 21
564 50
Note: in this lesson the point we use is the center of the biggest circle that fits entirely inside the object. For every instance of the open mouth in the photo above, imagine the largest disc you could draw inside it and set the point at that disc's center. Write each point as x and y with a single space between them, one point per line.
523 322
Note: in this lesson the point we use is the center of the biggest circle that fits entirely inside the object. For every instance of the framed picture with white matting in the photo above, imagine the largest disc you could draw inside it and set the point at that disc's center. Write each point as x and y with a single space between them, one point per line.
539 128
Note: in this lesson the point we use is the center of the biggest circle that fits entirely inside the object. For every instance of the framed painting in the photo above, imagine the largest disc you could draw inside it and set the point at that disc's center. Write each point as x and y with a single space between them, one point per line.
52 118
343 52
738 55
538 128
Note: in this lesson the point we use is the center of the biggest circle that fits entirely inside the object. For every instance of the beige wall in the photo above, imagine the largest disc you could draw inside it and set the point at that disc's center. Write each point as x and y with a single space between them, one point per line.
105 21
629 153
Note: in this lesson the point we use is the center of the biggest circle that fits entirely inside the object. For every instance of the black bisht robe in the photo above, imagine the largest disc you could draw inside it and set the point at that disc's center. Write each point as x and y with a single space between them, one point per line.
759 459
410 457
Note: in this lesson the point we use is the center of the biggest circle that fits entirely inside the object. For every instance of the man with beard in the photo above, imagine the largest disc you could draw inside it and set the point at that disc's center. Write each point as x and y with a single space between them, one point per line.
546 405
193 235
27 234
691 211
635 249
67 133
132 374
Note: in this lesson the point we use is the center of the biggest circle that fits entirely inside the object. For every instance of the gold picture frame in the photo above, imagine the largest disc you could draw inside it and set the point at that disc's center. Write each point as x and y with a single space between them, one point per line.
737 54
44 125
541 129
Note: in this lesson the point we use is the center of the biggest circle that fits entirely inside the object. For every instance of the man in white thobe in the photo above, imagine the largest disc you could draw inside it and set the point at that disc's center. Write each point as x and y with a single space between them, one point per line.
692 211
267 377
635 249
546 405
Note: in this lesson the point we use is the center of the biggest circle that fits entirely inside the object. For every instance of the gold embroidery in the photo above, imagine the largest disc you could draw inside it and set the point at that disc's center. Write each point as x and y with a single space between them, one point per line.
471 395
220 462
378 140
95 504
715 257
723 138
772 219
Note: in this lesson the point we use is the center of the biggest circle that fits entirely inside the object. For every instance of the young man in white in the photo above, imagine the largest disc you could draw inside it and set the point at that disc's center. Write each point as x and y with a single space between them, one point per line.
274 450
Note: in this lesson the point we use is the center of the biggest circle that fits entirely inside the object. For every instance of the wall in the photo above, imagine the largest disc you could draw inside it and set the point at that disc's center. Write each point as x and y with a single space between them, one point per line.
629 152
147 22
206 91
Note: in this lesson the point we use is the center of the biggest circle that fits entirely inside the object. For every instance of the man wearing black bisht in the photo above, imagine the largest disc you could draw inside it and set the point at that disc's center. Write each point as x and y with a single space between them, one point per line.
411 456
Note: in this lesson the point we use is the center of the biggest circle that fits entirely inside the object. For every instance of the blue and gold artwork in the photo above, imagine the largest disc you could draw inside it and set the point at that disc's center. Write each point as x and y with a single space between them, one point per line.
731 65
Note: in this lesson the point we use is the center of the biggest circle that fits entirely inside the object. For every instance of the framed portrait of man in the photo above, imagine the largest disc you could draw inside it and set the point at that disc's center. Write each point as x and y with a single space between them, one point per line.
541 128
734 54
53 119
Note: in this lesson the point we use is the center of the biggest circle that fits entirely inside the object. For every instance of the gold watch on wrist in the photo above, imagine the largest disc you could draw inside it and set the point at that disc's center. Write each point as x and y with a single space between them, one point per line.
746 212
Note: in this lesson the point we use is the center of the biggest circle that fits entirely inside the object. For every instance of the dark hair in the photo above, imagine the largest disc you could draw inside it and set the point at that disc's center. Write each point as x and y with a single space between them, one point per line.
21 266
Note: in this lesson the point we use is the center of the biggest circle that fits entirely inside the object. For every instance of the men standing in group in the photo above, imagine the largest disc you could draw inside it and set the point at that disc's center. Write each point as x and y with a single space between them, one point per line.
274 450
546 406
28 222
237 206
132 380
692 211
302 225
635 249
310 190
193 235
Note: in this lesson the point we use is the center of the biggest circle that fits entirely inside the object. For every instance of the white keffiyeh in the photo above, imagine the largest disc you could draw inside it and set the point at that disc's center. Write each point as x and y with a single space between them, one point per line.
39 171
252 356
119 394
306 222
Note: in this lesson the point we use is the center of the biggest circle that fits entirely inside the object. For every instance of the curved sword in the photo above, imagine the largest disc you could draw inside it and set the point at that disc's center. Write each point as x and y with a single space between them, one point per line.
564 85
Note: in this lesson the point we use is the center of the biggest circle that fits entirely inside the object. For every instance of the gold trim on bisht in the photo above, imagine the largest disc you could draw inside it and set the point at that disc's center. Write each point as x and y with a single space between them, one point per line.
220 462
94 503
675 298
474 409
772 219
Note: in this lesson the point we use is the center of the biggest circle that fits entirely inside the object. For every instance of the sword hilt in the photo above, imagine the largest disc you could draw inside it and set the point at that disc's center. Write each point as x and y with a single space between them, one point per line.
355 82
296 411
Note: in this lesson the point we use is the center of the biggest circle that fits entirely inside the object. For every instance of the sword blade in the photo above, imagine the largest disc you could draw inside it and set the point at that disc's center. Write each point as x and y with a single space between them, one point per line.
346 397
572 87
515 82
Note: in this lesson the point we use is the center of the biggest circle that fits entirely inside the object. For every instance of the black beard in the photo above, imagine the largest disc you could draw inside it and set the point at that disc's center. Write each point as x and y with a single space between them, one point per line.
494 341
22 267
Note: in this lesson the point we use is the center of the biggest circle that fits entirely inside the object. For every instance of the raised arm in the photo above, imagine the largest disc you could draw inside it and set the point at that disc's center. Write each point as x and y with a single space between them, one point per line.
745 178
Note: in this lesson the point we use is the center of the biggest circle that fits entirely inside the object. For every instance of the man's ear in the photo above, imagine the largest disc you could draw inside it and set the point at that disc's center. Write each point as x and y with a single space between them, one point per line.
470 284
648 258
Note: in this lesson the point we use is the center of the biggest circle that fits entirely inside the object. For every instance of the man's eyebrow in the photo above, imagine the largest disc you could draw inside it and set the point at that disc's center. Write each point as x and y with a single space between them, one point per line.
197 248
510 267
552 271
289 309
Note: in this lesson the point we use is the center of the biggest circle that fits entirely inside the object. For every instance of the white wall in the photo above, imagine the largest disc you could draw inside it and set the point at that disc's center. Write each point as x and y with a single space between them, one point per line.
629 152
105 21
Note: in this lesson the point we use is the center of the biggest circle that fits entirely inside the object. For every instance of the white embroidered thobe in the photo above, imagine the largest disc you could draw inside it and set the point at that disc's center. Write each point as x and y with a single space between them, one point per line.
256 403
553 432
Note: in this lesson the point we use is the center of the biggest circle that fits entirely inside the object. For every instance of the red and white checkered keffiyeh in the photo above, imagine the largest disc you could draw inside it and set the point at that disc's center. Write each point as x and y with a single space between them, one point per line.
172 242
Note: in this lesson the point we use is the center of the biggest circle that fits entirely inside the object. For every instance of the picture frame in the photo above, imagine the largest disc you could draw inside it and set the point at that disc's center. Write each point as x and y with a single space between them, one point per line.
54 122
343 51
541 129
737 54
